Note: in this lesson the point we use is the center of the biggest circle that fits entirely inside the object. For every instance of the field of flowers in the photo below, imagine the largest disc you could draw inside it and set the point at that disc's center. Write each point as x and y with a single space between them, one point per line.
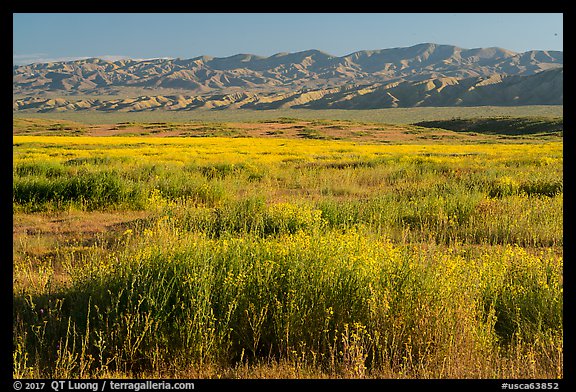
297 258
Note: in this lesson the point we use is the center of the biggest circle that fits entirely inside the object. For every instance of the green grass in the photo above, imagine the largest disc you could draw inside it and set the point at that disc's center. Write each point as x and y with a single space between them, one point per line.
424 193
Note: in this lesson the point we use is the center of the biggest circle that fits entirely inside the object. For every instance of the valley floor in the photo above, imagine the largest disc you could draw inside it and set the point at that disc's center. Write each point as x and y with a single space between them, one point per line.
285 256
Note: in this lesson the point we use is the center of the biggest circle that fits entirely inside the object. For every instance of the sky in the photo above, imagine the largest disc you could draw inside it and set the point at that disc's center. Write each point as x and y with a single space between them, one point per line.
46 37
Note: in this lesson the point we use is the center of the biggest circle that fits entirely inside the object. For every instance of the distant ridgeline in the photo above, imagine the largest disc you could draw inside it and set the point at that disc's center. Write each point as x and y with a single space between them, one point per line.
421 75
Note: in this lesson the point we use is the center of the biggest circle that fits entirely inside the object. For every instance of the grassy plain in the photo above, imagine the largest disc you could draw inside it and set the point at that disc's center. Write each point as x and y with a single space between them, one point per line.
287 257
389 116
475 130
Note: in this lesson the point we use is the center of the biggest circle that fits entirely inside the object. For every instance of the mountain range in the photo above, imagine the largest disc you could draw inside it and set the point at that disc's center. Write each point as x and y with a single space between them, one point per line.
421 75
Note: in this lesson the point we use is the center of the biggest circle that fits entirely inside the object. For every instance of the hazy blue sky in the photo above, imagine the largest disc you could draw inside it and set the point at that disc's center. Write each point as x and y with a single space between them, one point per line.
57 37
